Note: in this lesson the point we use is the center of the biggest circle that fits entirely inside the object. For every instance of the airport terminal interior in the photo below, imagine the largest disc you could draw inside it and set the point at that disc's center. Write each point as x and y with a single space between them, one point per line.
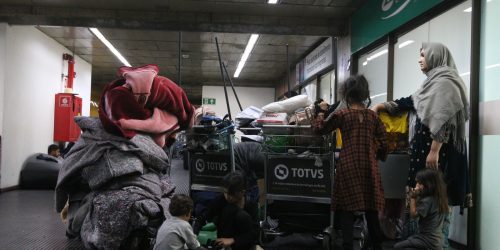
249 124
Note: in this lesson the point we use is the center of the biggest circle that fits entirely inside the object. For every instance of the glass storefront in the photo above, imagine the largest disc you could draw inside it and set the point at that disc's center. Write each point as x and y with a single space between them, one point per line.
373 66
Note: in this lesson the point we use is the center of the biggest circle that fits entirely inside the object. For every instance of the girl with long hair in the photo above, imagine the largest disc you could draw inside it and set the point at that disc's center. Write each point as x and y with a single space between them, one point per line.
357 183
429 202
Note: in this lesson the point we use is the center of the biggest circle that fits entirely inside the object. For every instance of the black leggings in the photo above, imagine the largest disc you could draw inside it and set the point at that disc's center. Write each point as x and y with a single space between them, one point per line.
347 226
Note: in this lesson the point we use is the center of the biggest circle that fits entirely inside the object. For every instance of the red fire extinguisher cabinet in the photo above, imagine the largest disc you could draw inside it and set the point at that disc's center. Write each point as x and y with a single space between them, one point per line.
67 106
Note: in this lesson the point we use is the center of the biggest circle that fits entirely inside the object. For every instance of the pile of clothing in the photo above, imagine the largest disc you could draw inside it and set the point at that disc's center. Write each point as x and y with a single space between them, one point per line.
113 183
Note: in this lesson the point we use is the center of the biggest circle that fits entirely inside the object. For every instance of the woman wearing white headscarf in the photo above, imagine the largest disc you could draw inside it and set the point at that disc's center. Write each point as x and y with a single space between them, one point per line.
438 112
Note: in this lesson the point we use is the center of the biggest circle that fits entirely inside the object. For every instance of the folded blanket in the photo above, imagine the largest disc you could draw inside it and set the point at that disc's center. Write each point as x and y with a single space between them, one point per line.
135 95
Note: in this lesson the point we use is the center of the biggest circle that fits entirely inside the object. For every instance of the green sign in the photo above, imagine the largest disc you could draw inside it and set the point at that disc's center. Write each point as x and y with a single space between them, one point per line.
376 18
210 101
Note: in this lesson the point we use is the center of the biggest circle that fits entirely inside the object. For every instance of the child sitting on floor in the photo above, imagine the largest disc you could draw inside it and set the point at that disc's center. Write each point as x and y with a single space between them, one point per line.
429 202
176 233
237 223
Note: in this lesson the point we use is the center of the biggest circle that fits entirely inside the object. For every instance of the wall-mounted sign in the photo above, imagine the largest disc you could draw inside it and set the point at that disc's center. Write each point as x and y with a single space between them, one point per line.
319 59
377 18
209 101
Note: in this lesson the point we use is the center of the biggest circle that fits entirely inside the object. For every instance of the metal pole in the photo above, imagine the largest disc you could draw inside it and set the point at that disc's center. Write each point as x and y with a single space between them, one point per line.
223 78
179 82
288 72
232 86
474 134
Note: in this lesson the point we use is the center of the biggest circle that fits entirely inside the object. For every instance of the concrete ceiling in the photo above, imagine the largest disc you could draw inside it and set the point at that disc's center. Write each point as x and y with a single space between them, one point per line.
148 32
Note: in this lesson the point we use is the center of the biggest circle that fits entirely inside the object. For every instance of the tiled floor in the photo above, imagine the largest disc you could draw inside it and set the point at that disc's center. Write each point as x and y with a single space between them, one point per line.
28 219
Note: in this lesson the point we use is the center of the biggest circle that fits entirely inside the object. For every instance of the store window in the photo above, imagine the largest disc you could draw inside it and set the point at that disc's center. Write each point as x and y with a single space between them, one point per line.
310 90
452 28
326 87
407 74
373 66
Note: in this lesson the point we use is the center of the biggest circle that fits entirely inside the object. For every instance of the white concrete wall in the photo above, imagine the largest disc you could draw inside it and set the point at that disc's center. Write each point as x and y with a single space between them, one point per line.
33 67
248 96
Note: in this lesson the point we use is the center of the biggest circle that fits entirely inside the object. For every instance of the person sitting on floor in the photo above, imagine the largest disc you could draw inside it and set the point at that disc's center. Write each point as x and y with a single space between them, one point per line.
53 150
429 202
236 220
176 232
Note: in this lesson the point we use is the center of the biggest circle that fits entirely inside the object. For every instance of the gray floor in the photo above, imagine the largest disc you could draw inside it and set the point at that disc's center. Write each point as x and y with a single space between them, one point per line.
28 219
180 177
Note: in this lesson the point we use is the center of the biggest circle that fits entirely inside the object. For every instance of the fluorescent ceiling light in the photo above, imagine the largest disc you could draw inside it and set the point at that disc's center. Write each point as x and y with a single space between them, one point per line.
381 94
49 26
110 46
405 43
377 54
468 9
464 74
493 66
246 54
365 63
272 1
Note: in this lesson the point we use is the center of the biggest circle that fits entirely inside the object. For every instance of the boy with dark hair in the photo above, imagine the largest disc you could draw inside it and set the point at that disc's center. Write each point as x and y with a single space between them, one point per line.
53 150
176 232
237 225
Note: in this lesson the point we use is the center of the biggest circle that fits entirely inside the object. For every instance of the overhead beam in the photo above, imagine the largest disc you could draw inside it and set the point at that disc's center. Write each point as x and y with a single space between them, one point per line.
173 21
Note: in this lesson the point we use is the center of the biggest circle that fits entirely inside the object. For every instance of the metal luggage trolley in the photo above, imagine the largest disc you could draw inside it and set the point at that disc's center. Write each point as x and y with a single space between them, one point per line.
210 157
299 168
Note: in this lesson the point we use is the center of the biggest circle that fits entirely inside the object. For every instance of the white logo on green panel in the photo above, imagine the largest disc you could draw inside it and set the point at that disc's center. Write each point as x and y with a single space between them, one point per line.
387 6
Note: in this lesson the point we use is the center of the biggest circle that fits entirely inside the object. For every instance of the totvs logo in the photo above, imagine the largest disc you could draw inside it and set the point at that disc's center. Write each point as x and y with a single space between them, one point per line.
202 165
281 172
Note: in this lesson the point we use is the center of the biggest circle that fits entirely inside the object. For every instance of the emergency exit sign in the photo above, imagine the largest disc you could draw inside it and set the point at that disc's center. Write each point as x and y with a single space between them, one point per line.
209 101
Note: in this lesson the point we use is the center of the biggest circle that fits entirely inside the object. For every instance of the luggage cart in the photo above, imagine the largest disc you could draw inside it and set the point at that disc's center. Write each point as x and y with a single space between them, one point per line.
299 171
210 157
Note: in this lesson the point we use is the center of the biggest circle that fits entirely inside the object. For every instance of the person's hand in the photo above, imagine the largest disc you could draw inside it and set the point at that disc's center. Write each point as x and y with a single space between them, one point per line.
414 193
376 108
64 213
432 160
224 242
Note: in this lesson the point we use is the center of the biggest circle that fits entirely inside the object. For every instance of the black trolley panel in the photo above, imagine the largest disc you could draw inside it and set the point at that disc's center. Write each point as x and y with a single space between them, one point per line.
299 179
211 157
